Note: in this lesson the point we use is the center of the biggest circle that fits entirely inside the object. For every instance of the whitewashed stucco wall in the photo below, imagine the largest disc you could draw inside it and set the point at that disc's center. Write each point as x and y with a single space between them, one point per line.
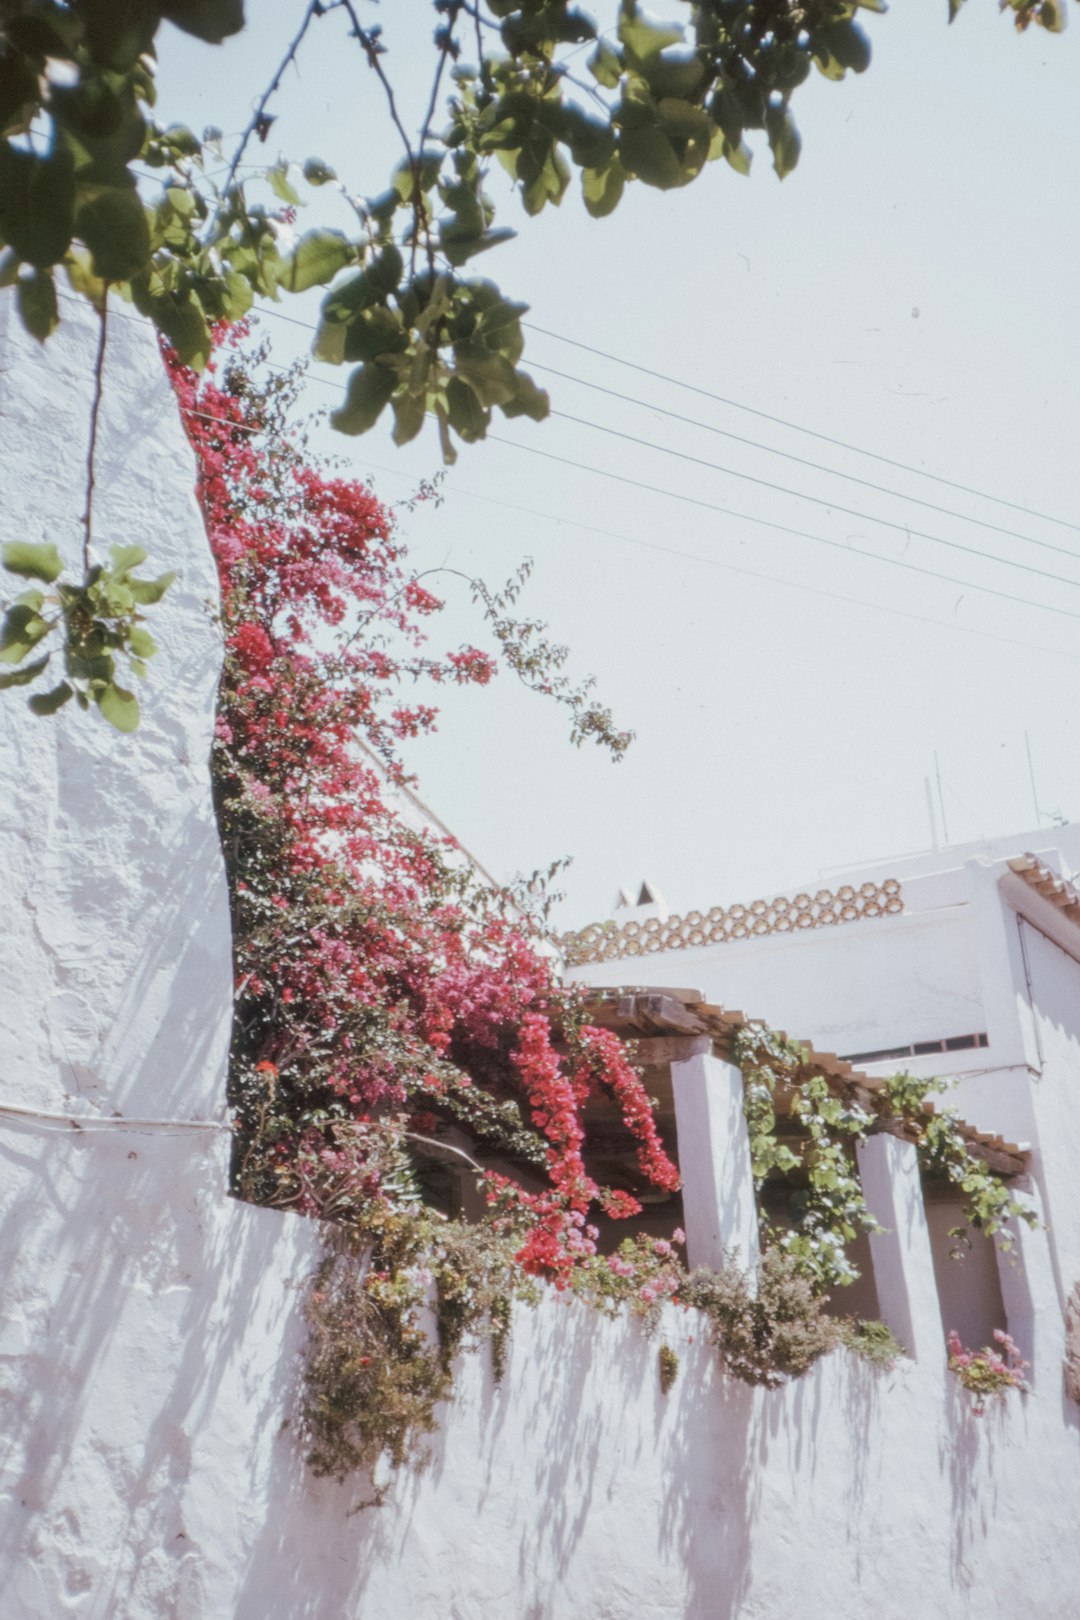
149 1327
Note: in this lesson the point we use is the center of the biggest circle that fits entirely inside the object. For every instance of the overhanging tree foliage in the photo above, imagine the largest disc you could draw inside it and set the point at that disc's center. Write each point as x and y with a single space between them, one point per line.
656 103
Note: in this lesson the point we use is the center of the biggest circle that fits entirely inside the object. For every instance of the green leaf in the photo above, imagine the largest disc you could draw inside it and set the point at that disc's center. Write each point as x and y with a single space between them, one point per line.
37 204
125 558
179 317
458 250
644 40
784 140
409 412
142 643
369 390
148 591
181 200
23 677
38 310
373 332
738 156
316 259
22 629
279 182
82 278
115 228
647 153
120 707
528 400
49 702
32 562
211 20
605 65
603 188
491 376
467 416
317 173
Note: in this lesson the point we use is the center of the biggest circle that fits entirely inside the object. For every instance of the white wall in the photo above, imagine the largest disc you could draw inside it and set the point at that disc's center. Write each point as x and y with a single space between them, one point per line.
1055 992
855 987
149 1327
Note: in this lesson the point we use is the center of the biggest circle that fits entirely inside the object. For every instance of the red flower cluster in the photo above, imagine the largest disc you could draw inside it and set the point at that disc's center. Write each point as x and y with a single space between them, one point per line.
604 1057
377 982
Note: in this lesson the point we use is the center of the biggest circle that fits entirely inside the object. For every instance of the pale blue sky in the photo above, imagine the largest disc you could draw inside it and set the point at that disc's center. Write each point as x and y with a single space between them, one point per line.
911 289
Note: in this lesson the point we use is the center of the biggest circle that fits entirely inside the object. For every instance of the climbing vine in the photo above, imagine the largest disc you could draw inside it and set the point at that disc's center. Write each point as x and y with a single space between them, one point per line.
824 1215
829 1211
944 1155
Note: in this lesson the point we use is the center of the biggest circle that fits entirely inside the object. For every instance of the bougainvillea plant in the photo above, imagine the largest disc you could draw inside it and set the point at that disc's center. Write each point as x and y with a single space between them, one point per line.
988 1371
383 994
393 1013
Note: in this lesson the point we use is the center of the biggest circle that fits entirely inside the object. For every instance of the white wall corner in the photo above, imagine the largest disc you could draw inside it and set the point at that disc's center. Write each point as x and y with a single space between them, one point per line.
1010 1023
720 1210
115 955
901 1254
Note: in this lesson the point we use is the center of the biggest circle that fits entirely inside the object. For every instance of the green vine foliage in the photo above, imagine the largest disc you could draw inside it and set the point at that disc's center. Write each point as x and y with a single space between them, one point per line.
829 1211
374 1373
96 620
944 1155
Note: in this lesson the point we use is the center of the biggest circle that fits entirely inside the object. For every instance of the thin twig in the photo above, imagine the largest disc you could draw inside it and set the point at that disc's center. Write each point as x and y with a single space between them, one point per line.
369 45
444 52
315 9
95 412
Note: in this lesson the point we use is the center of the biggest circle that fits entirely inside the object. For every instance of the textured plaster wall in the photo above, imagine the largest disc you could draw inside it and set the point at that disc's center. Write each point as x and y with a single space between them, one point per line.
149 1327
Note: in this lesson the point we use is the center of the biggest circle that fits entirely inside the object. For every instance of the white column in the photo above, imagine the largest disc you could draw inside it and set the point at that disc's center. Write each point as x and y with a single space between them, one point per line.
720 1210
903 1263
1033 1308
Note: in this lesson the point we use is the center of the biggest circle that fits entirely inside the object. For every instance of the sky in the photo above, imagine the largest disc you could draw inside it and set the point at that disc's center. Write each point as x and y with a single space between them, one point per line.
909 291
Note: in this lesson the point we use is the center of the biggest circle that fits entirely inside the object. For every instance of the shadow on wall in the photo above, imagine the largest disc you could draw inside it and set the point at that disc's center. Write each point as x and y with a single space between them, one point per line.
131 1293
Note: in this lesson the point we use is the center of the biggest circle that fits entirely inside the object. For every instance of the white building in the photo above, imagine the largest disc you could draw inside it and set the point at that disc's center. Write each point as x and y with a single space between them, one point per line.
150 1325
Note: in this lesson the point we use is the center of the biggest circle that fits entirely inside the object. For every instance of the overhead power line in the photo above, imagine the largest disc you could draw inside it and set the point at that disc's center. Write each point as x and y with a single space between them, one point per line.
748 573
817 500
784 528
779 421
798 427
725 511
804 461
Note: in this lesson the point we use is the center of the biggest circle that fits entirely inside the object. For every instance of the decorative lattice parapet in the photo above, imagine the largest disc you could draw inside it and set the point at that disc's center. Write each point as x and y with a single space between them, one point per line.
613 941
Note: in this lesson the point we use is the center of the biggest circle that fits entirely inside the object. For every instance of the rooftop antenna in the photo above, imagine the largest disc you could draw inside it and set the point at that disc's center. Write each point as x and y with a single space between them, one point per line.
941 800
930 812
1031 775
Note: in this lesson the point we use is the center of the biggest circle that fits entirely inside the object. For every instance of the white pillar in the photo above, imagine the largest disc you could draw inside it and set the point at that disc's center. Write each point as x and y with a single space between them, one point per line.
720 1210
903 1262
1029 1292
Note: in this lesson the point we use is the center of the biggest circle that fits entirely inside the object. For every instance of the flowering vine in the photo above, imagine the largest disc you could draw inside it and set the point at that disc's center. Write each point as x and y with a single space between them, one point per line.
989 1371
385 998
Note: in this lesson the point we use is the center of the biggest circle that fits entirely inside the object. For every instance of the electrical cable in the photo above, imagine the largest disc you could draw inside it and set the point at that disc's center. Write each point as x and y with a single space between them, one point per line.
101 1122
308 326
803 461
783 528
746 517
725 511
817 500
796 427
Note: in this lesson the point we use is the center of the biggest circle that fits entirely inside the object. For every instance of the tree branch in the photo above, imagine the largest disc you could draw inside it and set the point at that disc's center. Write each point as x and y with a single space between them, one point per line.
316 8
95 412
